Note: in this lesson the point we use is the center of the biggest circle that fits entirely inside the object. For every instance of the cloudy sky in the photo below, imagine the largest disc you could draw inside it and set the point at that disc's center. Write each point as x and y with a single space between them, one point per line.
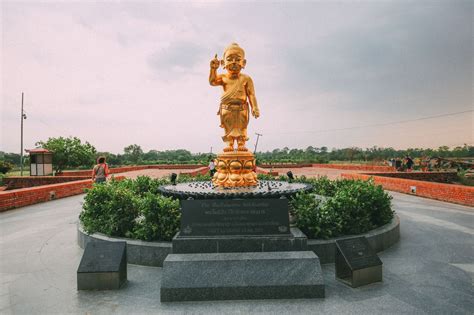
335 74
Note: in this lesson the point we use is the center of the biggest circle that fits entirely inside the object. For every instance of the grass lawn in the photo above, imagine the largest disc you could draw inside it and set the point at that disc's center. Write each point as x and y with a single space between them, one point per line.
26 172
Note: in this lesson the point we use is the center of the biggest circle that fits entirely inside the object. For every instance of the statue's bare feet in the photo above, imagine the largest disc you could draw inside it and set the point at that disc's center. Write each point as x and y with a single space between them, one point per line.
242 148
229 149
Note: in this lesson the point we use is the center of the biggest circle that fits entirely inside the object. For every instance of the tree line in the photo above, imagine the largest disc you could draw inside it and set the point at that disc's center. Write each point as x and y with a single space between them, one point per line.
374 154
72 153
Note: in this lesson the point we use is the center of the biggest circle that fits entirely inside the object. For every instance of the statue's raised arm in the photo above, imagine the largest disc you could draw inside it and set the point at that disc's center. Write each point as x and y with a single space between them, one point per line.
214 79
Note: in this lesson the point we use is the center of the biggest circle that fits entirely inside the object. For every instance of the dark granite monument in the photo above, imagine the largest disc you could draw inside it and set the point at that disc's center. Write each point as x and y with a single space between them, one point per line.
237 244
234 217
103 266
357 264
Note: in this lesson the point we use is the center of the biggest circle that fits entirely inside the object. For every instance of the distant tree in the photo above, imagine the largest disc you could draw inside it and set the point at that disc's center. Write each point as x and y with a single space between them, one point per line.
12 158
5 166
69 152
443 151
350 153
151 155
133 153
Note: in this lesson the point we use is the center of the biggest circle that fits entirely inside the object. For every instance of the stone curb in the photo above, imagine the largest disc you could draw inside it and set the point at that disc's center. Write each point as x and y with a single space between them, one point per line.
380 239
154 253
138 252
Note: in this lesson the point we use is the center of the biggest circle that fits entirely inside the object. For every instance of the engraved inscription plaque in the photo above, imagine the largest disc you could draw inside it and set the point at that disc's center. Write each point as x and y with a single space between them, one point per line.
234 217
357 263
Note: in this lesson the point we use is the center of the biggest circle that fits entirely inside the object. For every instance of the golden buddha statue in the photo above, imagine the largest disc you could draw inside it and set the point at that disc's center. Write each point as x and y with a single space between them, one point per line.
234 167
238 88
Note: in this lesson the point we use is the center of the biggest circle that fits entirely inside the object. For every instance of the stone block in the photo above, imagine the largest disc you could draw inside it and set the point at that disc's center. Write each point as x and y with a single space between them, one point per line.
241 276
296 241
103 266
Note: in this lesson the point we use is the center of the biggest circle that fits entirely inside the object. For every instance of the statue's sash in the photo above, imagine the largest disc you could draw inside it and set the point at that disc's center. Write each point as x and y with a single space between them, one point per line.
230 93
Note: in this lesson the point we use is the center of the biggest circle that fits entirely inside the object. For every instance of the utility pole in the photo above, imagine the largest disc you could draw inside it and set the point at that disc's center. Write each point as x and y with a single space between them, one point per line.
256 143
23 116
211 149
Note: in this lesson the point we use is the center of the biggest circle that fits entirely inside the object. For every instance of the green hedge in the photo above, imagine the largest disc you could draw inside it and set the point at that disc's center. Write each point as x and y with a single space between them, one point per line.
135 209
351 207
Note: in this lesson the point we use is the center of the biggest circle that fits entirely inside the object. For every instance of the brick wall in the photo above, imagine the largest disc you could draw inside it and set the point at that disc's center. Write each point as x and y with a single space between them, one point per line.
199 171
357 167
439 177
124 169
260 170
28 196
75 173
16 182
175 166
286 165
459 194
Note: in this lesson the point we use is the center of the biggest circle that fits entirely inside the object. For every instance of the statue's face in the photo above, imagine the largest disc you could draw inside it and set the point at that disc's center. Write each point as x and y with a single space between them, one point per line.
234 61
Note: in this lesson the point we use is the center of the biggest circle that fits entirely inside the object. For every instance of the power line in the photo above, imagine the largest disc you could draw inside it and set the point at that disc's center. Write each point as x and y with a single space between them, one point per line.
379 124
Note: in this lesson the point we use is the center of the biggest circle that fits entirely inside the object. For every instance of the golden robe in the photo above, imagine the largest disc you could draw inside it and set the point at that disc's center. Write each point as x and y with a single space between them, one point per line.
234 114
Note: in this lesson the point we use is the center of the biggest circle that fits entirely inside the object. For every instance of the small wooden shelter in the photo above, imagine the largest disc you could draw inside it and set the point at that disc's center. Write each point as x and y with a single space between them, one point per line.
41 162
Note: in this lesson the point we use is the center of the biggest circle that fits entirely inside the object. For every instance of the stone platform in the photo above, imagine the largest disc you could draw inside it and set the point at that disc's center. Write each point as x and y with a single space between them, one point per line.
239 248
241 276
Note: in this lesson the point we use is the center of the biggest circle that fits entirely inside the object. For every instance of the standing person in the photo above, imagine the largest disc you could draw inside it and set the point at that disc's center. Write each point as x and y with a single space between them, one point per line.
398 164
100 171
409 163
212 167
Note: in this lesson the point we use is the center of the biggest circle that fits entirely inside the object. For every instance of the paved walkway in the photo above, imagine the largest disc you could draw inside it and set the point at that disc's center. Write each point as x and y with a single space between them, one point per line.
430 271
331 173
307 171
153 173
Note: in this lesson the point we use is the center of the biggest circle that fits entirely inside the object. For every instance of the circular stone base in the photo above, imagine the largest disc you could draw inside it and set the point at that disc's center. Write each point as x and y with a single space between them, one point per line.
154 253
207 190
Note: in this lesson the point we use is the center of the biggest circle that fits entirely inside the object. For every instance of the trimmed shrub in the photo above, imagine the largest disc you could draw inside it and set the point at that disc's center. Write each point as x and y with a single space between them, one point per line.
110 209
313 218
353 207
133 208
144 184
159 218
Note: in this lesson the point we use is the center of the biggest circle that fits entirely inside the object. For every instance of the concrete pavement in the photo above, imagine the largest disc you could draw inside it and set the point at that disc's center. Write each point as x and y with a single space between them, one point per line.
430 271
